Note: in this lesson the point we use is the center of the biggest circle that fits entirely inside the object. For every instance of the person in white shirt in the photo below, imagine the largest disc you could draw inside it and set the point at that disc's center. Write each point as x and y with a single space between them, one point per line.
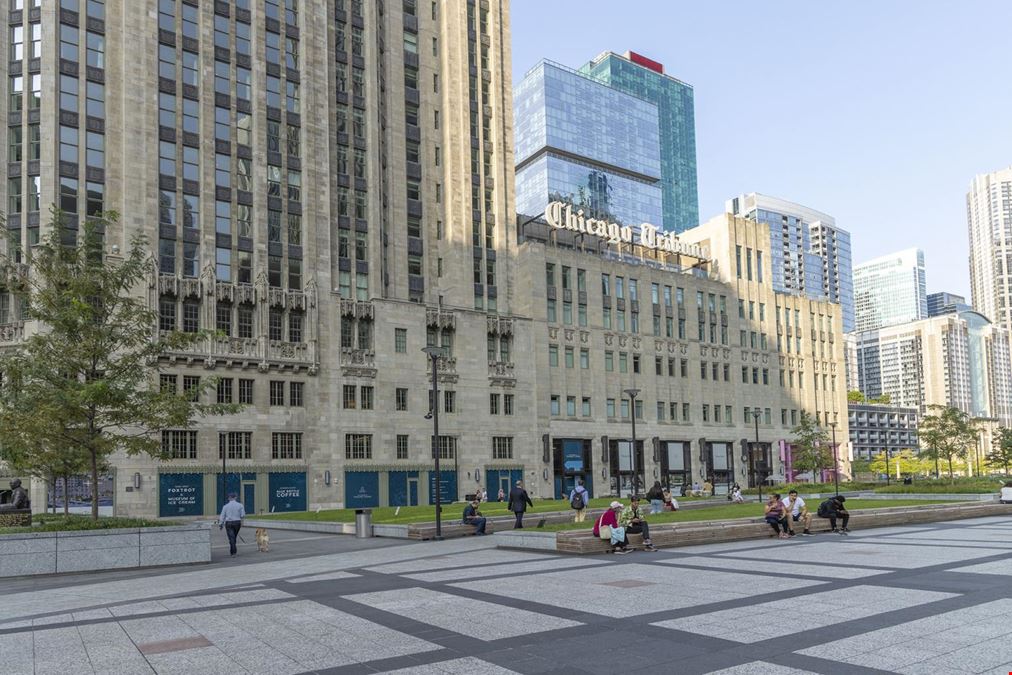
797 511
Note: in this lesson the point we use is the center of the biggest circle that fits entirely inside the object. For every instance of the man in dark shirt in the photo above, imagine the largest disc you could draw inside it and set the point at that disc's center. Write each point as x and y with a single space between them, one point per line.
519 500
472 516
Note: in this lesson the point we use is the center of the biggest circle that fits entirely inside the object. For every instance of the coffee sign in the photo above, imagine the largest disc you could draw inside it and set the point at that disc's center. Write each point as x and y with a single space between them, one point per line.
561 215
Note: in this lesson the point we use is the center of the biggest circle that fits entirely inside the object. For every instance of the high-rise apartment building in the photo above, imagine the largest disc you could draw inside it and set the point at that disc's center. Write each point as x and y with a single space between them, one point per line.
959 360
989 221
645 78
811 255
603 157
946 303
890 290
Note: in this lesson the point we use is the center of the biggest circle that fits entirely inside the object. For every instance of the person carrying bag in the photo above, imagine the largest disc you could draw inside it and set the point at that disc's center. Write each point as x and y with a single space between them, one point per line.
608 529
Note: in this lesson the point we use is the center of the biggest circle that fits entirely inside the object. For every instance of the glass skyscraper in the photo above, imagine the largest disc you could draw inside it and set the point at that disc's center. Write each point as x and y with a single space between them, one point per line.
810 255
675 100
582 142
890 290
615 141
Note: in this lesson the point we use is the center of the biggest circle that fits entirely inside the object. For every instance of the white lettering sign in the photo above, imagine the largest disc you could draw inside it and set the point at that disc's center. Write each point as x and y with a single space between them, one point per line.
561 215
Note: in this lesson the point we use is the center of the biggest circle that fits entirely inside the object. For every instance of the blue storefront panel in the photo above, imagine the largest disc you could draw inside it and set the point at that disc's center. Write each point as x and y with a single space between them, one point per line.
233 484
447 487
403 488
287 491
361 489
181 494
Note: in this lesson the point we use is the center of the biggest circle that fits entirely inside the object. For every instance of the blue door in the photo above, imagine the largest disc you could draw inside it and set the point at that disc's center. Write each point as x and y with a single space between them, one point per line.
403 488
413 491
249 497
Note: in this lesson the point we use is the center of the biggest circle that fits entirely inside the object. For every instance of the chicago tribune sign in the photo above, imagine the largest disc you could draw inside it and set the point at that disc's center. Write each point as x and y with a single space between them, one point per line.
561 215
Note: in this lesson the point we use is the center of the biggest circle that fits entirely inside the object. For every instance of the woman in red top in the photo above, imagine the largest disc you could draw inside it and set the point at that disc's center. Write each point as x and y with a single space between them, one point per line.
610 518
775 515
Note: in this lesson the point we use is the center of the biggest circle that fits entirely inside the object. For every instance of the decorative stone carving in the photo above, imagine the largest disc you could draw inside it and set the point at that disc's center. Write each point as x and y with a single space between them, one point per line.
568 332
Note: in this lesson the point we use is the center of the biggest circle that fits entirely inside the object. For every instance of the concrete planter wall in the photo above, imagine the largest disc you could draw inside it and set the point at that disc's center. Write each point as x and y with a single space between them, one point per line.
91 550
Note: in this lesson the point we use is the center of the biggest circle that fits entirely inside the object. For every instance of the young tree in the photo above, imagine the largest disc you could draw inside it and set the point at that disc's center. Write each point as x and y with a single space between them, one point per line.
810 449
1001 451
947 434
86 384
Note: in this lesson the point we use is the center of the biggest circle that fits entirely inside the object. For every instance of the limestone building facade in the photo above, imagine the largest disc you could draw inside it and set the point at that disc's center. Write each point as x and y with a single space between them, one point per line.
329 185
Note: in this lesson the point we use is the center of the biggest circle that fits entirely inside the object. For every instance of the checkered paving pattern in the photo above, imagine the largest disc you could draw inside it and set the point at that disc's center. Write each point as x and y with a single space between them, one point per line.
924 599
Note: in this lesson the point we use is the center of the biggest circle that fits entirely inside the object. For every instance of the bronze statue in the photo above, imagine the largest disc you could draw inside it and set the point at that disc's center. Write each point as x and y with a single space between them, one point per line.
19 498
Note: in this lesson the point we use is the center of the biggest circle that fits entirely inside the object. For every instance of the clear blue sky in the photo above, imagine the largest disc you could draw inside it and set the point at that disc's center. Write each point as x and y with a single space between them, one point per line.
878 113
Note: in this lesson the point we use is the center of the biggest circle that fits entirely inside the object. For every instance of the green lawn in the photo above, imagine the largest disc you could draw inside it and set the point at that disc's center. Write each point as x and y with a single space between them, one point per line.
423 514
730 511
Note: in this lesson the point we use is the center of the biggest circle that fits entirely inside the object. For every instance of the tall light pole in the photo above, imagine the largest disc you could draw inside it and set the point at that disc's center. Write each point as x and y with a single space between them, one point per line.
434 353
632 394
836 460
755 416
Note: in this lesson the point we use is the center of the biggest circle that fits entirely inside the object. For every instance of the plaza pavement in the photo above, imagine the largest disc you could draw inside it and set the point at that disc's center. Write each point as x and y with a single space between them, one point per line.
921 599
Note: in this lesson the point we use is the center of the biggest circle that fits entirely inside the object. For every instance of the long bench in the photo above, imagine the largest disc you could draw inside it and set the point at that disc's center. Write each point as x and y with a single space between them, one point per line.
668 535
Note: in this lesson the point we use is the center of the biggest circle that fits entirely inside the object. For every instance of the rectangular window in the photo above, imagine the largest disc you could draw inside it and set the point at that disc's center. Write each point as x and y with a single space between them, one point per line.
507 404
502 447
286 446
277 393
191 388
366 398
295 390
179 444
402 446
349 397
449 401
493 404
245 392
225 390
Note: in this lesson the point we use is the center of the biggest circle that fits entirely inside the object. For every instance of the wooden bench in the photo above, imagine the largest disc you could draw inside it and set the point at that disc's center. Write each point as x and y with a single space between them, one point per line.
669 535
453 530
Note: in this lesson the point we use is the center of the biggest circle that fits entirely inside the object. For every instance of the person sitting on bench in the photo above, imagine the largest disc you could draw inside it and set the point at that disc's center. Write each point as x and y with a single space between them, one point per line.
472 516
832 509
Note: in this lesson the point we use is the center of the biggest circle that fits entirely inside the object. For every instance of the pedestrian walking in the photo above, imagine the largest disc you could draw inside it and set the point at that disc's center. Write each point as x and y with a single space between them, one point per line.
579 499
518 502
231 520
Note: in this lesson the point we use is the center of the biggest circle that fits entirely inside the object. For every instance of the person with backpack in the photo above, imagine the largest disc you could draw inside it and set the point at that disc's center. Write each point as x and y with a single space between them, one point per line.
579 498
834 509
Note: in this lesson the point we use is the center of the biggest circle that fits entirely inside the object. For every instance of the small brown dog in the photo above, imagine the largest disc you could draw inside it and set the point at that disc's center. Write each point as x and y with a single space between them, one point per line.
263 540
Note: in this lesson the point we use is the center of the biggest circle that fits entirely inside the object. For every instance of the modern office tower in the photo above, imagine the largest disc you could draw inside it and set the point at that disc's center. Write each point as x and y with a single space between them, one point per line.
959 360
645 78
811 256
890 290
585 143
946 303
329 183
877 428
988 213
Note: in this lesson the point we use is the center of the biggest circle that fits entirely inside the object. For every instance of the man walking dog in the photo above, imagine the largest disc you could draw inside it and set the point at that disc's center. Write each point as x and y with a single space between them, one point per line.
231 520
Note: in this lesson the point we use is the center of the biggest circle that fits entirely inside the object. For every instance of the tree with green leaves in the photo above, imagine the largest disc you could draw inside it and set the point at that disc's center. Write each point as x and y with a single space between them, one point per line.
1000 453
882 399
85 385
946 434
908 461
810 449
855 396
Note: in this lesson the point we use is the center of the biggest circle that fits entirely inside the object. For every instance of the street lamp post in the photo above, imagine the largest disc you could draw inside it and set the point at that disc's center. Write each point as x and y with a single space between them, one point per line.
434 353
755 416
633 393
836 460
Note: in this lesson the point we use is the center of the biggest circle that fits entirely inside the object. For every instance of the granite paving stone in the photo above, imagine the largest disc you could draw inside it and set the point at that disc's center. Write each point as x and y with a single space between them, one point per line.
481 620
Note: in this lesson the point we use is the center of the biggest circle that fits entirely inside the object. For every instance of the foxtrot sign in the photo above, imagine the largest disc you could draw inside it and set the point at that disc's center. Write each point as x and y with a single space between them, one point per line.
561 215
